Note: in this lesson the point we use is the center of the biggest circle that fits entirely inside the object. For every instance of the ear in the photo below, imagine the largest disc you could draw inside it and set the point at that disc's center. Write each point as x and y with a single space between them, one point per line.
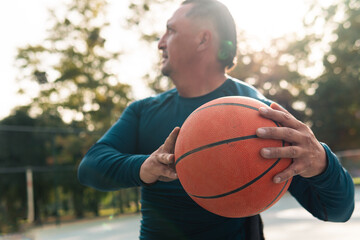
204 40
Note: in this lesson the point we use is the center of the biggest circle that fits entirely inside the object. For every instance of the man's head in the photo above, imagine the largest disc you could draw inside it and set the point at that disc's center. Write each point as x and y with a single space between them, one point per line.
198 27
224 24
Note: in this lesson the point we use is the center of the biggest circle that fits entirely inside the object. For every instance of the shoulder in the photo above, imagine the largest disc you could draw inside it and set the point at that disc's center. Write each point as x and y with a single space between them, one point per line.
153 101
241 88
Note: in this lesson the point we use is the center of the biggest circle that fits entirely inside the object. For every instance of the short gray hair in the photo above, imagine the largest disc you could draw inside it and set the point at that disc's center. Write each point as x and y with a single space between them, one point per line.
224 23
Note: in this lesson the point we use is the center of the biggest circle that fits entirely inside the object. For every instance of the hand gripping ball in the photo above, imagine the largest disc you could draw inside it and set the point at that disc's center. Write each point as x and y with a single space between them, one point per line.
218 161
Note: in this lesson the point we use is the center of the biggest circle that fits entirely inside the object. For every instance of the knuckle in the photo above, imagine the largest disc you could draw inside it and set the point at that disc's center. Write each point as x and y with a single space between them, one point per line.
288 132
293 152
308 164
271 131
160 157
308 138
151 161
294 170
286 116
307 128
298 125
276 152
291 171
166 158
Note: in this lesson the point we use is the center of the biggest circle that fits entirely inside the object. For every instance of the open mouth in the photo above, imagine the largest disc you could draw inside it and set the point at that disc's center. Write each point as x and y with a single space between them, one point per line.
164 56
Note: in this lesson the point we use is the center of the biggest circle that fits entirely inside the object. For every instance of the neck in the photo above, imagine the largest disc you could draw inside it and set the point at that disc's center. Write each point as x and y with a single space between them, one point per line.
198 83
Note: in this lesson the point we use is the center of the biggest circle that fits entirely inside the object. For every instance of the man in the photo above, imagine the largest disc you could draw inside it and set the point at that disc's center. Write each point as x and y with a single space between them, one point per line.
198 46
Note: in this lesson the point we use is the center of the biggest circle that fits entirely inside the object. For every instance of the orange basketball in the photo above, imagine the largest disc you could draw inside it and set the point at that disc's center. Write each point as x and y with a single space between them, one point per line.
218 161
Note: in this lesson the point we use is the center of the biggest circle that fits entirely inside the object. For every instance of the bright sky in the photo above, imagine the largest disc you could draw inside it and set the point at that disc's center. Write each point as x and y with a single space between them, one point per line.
24 22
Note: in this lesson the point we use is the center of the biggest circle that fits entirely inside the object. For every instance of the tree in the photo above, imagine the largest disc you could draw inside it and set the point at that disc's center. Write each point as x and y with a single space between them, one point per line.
336 104
272 72
145 18
20 149
72 68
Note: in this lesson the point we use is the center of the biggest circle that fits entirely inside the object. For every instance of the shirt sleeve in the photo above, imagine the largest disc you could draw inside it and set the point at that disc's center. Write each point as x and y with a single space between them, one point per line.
328 196
112 163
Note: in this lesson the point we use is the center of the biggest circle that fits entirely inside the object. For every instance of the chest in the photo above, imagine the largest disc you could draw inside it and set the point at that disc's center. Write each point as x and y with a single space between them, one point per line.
156 124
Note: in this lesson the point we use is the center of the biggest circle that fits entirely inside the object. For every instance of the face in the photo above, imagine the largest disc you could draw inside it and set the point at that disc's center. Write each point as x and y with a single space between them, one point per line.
178 44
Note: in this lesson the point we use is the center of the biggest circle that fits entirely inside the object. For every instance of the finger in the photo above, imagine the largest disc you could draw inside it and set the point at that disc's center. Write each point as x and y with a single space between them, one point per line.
165 158
167 172
293 170
276 106
169 144
165 179
281 116
282 133
281 152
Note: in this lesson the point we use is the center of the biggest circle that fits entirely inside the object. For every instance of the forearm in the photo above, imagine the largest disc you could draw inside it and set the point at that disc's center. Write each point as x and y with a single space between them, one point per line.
114 162
329 196
106 169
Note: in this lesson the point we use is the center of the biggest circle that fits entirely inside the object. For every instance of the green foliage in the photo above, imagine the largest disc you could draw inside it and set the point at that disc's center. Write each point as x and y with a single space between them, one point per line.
267 71
330 103
145 18
336 104
19 149
12 201
72 67
79 98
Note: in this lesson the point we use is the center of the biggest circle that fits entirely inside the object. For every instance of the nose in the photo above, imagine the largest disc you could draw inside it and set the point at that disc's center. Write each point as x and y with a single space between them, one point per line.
162 43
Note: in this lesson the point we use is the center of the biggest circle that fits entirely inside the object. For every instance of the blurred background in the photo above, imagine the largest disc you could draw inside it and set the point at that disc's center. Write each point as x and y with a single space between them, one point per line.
70 67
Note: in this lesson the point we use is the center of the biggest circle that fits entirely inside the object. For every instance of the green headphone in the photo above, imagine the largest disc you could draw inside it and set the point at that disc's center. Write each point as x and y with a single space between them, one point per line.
226 49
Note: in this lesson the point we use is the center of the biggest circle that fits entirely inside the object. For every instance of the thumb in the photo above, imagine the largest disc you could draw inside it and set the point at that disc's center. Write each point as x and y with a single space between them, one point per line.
169 144
276 106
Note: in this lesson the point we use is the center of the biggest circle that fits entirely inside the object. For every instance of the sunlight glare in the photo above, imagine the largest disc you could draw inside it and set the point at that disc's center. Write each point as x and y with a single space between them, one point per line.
263 20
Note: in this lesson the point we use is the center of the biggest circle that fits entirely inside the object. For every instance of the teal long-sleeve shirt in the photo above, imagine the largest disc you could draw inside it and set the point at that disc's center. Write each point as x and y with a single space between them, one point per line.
167 211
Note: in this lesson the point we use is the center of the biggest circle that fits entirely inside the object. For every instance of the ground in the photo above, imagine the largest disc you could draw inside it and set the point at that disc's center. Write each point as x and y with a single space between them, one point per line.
285 220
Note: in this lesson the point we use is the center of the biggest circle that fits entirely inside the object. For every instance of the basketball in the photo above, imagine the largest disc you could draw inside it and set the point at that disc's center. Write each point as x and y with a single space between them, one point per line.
218 161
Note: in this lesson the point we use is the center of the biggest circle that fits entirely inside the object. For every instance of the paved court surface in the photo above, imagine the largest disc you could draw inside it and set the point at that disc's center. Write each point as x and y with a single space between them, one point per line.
287 220
284 221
